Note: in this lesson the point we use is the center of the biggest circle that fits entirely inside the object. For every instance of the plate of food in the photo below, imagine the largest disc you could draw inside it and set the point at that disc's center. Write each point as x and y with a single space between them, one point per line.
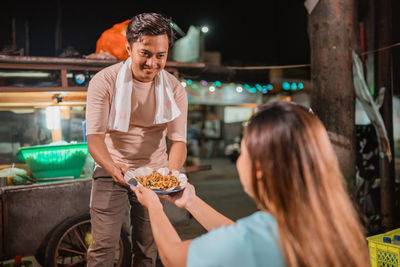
162 181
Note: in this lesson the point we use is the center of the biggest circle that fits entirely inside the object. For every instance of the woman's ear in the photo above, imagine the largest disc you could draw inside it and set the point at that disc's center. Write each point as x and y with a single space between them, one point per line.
128 49
259 173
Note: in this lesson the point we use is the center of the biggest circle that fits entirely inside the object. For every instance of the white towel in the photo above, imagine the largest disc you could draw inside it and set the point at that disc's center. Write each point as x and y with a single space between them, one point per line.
120 113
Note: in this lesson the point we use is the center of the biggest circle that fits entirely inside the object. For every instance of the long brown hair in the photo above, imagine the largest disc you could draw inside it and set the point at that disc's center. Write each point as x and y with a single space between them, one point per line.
303 188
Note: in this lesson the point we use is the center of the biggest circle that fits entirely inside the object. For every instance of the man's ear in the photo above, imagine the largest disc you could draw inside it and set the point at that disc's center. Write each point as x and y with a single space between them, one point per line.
259 173
128 49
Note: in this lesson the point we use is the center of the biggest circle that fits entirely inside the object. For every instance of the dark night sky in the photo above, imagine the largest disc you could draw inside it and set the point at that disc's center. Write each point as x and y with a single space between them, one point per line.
249 33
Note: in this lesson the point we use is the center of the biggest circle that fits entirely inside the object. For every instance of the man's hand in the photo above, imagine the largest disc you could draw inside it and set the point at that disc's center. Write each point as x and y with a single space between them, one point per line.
118 172
98 150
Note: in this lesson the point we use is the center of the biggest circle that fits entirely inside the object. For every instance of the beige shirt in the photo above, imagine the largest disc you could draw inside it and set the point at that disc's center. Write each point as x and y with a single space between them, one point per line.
145 142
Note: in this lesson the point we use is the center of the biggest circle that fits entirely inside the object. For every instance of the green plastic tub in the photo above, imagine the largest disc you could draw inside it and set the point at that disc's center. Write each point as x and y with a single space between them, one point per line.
52 161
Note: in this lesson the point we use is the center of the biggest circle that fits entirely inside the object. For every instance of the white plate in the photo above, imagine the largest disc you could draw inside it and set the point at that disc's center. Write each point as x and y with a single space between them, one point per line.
130 178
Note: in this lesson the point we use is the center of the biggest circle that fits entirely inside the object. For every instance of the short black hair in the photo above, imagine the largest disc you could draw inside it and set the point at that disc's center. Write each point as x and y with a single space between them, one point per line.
149 24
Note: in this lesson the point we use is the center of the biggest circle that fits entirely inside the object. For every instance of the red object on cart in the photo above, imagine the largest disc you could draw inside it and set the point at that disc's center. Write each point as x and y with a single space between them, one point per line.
113 41
17 260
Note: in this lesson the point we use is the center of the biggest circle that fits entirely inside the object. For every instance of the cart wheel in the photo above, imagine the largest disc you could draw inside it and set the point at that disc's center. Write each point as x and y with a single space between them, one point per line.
70 241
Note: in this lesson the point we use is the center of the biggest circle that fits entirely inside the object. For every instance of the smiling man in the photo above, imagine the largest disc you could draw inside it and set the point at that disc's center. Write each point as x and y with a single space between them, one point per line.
132 107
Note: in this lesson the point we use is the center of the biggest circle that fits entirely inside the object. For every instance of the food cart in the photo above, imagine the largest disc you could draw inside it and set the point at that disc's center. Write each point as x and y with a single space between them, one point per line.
51 219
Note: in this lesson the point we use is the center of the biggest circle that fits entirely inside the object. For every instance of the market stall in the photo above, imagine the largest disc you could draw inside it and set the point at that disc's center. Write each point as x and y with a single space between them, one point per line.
44 161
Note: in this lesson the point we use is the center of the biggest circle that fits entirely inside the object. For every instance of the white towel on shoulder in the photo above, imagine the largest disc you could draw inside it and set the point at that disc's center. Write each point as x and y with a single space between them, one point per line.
120 113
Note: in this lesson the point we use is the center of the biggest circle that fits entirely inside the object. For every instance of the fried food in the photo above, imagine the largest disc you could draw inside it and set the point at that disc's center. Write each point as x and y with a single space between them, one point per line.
158 181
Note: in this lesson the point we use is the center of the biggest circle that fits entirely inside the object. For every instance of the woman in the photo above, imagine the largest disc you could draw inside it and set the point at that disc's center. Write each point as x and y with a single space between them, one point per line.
288 166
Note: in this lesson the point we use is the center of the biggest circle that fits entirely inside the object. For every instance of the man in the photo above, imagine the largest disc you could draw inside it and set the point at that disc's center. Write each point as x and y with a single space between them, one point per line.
132 107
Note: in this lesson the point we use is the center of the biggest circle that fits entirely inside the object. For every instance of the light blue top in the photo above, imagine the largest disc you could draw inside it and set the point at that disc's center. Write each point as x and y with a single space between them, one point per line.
252 241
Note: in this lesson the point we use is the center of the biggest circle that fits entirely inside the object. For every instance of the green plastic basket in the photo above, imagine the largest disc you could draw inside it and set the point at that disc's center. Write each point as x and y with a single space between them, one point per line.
51 161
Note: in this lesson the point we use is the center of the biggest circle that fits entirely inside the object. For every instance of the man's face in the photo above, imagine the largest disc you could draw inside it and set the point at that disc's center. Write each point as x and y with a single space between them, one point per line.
149 55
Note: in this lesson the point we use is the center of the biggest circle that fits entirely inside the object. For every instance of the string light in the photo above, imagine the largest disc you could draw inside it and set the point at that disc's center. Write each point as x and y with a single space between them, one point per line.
212 86
286 86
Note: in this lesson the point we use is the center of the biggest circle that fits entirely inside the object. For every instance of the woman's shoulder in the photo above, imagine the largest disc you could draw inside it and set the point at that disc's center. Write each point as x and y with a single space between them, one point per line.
260 226
259 217
251 241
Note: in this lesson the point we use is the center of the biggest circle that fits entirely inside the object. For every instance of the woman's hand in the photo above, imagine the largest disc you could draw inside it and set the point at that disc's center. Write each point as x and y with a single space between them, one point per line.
182 199
146 197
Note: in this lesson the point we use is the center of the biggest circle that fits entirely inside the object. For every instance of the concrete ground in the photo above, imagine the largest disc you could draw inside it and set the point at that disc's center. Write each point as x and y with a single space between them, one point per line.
220 187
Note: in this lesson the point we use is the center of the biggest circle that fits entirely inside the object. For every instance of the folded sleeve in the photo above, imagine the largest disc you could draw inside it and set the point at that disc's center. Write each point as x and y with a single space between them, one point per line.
177 128
97 105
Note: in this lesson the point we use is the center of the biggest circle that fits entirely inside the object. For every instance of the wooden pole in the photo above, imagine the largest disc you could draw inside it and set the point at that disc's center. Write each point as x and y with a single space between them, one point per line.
14 33
370 44
56 135
58 35
332 34
27 43
383 31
